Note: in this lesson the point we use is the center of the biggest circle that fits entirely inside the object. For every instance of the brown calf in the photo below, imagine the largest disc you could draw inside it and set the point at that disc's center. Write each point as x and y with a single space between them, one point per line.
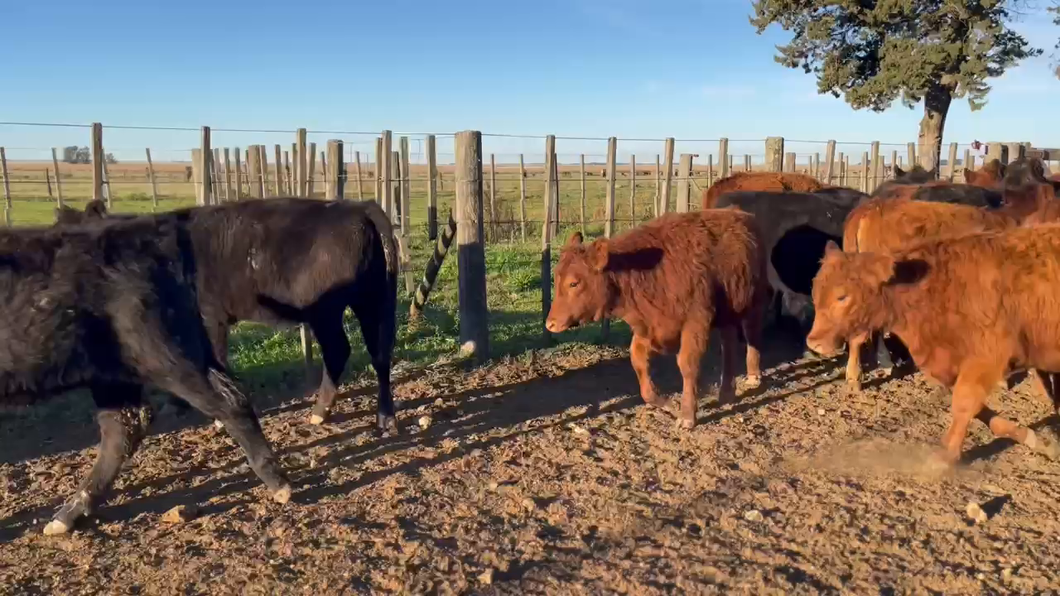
759 181
884 226
988 176
672 280
969 308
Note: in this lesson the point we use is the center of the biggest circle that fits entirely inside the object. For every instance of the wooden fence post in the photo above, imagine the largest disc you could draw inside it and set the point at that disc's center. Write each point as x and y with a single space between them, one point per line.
658 185
310 168
387 174
910 150
998 151
97 161
151 177
1016 151
874 158
379 163
609 196
632 190
829 162
546 238
583 195
237 182
432 188
406 186
967 164
277 157
895 160
336 180
494 229
48 182
7 187
817 165
556 196
951 161
58 178
865 171
723 158
710 170
360 180
775 154
747 163
299 156
684 183
522 198
842 169
215 172
207 158
789 162
254 171
471 255
668 175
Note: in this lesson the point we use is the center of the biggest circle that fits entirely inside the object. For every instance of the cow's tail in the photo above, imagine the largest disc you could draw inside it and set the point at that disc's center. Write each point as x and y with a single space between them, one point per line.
385 229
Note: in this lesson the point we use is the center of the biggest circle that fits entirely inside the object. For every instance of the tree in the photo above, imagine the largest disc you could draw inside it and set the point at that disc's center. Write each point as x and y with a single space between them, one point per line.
1055 9
876 51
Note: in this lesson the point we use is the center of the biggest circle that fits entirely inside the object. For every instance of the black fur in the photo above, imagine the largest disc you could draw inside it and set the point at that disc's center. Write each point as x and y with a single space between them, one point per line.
112 308
296 260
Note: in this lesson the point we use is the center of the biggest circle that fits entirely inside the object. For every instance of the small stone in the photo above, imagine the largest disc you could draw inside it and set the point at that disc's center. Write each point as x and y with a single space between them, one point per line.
180 514
486 577
425 422
820 411
439 402
976 513
578 430
980 576
753 515
494 485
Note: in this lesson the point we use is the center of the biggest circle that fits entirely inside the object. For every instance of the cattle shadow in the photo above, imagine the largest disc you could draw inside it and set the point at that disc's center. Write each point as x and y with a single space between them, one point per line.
472 420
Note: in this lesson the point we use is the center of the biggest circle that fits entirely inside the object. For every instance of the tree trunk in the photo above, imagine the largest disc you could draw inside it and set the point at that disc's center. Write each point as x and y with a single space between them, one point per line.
929 140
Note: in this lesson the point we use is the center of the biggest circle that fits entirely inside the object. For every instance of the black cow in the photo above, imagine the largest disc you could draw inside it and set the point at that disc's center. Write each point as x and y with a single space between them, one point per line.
929 189
295 260
112 308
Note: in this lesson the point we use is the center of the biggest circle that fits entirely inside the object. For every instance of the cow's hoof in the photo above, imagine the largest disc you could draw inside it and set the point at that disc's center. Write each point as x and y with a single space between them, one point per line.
218 424
316 420
854 386
1042 444
752 382
387 424
887 371
686 423
56 527
283 495
656 402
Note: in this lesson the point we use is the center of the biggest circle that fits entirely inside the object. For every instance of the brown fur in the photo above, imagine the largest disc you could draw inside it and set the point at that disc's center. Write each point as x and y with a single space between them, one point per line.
884 225
988 176
967 307
672 280
759 181
1032 204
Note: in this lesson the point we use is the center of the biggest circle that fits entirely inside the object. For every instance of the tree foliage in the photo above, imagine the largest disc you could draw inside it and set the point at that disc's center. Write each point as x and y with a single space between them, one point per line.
1055 9
75 154
873 52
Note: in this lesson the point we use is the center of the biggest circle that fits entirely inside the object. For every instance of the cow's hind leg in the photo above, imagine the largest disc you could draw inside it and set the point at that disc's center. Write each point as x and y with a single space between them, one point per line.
335 350
752 332
1002 427
854 363
123 418
216 395
378 327
729 345
694 341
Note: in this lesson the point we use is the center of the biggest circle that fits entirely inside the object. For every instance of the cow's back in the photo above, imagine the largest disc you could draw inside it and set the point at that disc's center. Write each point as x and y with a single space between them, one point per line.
888 226
684 264
758 181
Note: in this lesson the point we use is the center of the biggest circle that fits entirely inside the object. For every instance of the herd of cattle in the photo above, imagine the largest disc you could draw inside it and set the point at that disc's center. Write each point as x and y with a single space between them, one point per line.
961 274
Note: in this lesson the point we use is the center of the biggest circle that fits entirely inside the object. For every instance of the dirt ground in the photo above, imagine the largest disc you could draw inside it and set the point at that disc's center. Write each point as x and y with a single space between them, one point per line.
545 474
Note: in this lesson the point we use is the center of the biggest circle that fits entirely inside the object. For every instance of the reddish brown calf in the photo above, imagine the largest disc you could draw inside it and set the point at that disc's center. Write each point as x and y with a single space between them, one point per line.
759 181
968 308
886 225
989 176
672 280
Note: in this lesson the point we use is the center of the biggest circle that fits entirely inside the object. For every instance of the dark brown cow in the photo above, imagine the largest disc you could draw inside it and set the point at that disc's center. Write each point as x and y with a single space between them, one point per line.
969 308
884 226
672 280
759 181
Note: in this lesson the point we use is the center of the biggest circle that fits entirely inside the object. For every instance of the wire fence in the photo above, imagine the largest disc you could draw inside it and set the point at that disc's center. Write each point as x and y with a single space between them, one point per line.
157 168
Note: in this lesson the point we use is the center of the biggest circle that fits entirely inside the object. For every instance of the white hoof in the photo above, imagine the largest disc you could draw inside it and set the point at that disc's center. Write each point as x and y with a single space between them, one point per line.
55 527
316 420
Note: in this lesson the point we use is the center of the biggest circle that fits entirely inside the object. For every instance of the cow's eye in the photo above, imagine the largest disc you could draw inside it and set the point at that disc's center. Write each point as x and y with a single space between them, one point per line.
842 298
574 284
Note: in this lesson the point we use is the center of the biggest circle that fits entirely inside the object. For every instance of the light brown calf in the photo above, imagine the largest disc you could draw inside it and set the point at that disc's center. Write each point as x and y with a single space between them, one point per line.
759 181
672 280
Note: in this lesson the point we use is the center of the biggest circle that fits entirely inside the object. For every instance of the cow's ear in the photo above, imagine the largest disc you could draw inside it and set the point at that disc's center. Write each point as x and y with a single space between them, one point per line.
574 240
599 256
968 176
831 248
898 172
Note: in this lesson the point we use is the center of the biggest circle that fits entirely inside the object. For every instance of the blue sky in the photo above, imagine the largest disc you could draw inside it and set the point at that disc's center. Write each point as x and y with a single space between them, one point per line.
692 69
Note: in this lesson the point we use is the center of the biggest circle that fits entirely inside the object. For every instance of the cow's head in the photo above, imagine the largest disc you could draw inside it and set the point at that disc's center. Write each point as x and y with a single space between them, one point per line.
582 290
846 293
1032 204
94 210
989 176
